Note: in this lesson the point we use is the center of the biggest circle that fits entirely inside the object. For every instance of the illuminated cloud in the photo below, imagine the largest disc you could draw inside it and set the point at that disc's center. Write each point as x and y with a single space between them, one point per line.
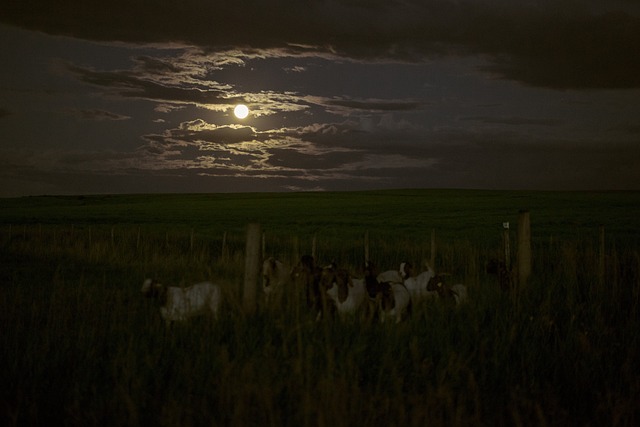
136 85
295 69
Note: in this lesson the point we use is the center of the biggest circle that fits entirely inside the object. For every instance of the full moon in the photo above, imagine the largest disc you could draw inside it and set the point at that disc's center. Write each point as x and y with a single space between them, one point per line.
241 111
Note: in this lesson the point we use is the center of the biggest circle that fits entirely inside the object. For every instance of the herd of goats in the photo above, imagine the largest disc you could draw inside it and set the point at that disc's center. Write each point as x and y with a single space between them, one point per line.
329 291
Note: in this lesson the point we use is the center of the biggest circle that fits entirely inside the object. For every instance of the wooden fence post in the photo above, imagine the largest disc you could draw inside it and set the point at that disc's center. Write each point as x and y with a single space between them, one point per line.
524 248
224 246
601 256
432 259
313 247
295 254
251 268
506 240
366 246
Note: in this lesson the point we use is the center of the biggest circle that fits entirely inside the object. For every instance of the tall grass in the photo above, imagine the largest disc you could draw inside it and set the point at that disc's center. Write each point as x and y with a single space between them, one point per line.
80 345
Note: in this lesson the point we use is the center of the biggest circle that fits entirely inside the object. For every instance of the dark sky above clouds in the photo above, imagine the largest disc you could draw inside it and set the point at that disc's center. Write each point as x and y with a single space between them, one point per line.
138 95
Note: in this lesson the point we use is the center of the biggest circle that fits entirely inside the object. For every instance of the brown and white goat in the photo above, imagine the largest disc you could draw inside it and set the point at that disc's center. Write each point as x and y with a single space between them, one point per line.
306 275
391 299
348 294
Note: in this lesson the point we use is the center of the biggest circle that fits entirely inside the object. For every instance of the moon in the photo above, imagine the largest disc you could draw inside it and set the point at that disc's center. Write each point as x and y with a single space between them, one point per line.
241 111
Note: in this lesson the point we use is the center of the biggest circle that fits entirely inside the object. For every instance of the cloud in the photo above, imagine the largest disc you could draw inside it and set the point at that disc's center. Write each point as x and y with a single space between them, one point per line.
515 121
569 50
199 156
155 80
300 188
374 104
199 130
149 64
129 84
99 115
628 128
561 45
167 108
295 69
317 152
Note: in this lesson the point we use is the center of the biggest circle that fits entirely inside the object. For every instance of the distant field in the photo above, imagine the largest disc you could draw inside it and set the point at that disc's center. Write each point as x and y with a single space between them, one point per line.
79 344
456 214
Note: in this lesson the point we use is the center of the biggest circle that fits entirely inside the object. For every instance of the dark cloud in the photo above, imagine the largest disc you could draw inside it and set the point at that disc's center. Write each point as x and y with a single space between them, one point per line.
370 138
516 121
99 115
312 163
572 50
569 44
375 104
630 128
157 65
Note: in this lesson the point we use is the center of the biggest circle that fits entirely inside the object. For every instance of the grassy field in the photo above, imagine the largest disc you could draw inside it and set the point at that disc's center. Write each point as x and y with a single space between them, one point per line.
81 346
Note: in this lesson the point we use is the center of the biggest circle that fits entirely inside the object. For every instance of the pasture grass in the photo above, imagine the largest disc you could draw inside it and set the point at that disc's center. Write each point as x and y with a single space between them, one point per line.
80 346
475 215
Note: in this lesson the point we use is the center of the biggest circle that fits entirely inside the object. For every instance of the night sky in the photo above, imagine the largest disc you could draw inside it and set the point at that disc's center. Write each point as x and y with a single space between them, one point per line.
138 96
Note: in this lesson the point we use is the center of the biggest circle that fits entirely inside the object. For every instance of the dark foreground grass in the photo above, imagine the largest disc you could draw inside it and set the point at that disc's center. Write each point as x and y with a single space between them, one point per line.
80 346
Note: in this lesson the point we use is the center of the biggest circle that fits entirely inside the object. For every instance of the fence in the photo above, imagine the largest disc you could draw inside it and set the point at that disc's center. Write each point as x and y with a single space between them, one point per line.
109 242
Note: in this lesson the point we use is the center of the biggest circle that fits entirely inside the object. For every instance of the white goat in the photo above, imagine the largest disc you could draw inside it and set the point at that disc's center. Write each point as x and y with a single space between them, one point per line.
395 301
458 291
417 285
396 276
275 276
179 304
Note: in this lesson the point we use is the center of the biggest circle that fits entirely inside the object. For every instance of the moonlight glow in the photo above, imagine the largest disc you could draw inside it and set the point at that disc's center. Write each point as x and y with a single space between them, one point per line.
241 111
